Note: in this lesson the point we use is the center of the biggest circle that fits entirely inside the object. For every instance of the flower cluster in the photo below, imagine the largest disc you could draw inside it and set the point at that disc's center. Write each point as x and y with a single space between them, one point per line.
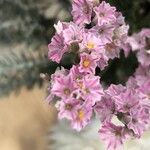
140 42
96 35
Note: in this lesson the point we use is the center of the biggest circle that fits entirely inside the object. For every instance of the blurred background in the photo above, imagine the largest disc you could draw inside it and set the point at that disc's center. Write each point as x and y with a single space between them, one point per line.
26 27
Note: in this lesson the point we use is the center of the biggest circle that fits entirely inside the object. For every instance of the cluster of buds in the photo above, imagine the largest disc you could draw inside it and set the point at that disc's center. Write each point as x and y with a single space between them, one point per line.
97 34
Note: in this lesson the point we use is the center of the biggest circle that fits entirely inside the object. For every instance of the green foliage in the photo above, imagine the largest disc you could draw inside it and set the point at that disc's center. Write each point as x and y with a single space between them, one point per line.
24 69
30 21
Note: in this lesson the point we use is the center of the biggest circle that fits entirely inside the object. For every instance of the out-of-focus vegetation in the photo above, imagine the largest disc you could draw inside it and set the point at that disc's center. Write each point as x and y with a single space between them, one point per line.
26 27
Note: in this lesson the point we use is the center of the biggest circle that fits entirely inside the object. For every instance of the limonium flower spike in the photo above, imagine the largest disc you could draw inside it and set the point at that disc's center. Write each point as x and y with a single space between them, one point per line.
97 34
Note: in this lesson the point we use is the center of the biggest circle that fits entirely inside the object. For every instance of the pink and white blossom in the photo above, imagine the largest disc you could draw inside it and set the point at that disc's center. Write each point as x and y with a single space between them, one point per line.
87 63
105 13
90 43
112 135
67 108
57 48
102 59
139 121
63 87
103 32
82 11
126 101
115 90
111 50
92 90
105 109
82 117
72 34
60 26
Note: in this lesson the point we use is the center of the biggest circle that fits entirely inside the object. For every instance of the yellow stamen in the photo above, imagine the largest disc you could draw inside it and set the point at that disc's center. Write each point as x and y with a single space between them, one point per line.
90 45
81 114
86 63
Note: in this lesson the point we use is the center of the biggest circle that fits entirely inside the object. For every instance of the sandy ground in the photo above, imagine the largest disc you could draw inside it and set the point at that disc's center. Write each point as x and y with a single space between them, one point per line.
25 120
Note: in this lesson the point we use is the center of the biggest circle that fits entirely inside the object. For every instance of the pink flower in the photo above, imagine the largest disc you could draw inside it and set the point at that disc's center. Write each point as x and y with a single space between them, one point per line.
112 135
145 32
136 41
57 48
120 34
119 19
87 64
90 43
132 83
82 117
105 13
143 71
127 100
103 32
141 77
63 87
88 87
92 90
82 11
67 108
142 38
144 92
111 50
102 60
59 73
77 78
75 74
139 121
72 34
120 38
114 90
133 43
105 109
144 57
141 42
145 87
